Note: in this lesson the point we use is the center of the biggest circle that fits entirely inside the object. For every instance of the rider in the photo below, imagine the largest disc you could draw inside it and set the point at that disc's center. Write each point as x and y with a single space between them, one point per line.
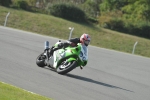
84 40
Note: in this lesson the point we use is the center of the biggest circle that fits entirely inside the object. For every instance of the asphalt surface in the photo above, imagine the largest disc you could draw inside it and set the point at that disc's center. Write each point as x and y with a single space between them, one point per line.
109 75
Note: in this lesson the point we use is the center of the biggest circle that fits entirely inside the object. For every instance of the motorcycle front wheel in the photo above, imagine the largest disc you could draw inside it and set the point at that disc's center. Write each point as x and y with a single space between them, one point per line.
40 60
66 67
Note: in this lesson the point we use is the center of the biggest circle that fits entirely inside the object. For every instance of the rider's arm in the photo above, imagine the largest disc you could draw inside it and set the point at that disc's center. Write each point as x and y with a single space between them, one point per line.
74 41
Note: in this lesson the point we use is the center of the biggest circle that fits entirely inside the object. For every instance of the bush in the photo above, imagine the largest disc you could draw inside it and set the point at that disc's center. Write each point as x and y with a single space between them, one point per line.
116 24
5 2
111 19
138 29
92 19
68 11
146 31
21 4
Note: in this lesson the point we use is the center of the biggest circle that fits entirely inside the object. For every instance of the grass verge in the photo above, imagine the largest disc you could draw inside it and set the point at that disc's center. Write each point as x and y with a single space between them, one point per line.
57 27
9 92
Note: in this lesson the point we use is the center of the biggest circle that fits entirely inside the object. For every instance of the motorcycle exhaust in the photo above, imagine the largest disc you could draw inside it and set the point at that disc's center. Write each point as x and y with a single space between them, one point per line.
46 45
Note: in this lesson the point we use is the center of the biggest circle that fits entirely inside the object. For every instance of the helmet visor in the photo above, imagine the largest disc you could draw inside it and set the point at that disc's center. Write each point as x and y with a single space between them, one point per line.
87 42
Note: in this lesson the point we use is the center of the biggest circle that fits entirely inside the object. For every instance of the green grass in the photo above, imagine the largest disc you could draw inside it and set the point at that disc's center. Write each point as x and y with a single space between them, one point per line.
9 92
57 27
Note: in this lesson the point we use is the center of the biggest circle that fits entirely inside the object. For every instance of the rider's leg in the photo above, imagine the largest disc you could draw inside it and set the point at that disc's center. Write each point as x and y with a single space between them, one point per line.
55 48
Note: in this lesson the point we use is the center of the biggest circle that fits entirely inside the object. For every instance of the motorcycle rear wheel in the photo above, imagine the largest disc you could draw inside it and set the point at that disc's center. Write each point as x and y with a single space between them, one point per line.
65 68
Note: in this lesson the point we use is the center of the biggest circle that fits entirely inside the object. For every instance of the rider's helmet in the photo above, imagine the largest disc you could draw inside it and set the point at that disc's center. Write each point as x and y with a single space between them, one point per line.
85 39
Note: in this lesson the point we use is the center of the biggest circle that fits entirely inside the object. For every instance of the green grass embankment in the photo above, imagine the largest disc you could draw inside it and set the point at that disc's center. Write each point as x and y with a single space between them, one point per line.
9 92
57 27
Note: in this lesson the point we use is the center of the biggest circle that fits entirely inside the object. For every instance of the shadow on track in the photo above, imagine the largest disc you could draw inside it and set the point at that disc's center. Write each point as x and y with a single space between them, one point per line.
90 80
93 81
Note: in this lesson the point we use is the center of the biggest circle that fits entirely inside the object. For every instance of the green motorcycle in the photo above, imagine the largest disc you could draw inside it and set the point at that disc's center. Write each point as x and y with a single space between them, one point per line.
63 60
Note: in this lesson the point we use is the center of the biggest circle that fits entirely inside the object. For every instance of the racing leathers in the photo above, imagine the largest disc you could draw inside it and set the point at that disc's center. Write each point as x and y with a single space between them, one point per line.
72 42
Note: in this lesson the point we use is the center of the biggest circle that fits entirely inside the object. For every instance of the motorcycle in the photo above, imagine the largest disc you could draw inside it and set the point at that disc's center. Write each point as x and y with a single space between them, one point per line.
63 60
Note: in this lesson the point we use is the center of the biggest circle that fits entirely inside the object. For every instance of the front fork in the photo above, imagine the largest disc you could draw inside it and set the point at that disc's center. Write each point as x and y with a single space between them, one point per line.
46 51
46 57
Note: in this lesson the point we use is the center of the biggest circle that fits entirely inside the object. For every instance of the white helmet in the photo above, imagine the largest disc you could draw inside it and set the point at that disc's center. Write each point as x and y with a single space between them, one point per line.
85 39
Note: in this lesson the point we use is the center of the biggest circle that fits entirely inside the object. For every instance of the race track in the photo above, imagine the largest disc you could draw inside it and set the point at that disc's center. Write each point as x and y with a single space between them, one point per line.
109 75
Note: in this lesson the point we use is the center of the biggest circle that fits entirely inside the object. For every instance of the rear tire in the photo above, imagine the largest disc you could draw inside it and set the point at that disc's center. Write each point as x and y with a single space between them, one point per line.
40 60
63 69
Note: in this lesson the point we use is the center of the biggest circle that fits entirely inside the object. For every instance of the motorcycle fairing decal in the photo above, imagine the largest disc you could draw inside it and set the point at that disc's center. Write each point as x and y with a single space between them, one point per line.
55 60
83 54
62 53
57 57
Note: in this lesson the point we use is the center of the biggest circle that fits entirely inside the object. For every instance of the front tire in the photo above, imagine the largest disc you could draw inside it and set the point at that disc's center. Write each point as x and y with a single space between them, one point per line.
65 68
40 60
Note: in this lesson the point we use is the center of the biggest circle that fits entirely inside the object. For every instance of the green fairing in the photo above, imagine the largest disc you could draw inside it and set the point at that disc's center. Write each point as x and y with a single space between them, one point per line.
71 59
72 54
56 45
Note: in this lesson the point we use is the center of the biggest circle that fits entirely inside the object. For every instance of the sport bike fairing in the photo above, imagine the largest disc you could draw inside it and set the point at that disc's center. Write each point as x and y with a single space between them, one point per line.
63 60
58 54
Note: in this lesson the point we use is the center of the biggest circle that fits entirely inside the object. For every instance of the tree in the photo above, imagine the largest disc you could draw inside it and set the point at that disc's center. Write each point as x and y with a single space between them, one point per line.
138 9
31 2
109 5
91 7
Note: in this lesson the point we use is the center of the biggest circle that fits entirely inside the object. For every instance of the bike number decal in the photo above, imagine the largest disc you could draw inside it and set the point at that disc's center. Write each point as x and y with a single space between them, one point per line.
83 55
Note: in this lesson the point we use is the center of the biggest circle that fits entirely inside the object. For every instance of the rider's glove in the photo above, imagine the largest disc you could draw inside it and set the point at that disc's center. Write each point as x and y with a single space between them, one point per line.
60 45
66 44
